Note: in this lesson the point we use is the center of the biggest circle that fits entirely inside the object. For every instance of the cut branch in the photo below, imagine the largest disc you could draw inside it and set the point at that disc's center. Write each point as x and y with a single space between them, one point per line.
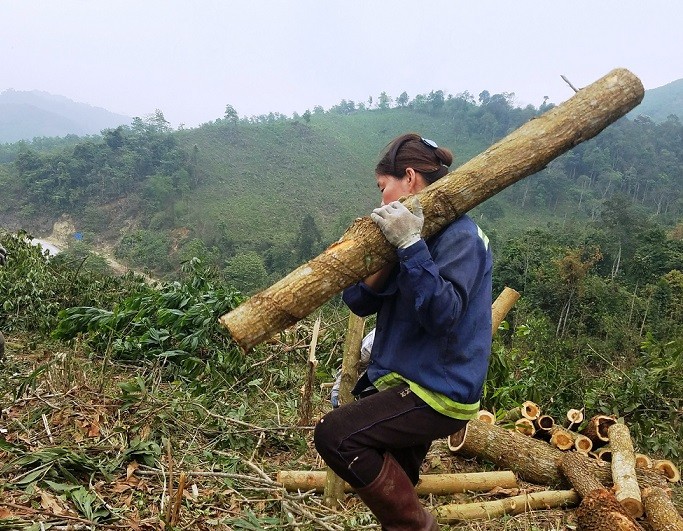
363 250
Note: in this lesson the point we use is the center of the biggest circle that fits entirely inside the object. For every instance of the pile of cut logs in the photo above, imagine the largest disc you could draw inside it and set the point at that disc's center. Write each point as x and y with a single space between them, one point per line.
612 484
591 464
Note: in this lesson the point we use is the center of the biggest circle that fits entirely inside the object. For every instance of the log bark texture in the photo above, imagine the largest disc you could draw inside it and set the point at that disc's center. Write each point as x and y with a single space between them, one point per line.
534 460
437 484
514 505
600 511
363 250
660 511
580 477
626 487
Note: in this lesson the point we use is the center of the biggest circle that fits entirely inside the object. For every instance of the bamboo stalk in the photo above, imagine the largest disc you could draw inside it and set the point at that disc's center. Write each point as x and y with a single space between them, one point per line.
334 485
437 484
306 408
515 505
502 305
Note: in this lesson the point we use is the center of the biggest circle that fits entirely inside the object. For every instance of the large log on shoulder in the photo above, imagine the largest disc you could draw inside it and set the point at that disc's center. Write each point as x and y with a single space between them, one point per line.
363 250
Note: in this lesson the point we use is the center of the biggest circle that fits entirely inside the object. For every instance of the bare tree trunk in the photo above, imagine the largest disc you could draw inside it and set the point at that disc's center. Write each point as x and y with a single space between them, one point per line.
363 250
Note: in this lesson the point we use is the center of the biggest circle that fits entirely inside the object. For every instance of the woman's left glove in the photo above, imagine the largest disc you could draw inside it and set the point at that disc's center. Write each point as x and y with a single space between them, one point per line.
400 226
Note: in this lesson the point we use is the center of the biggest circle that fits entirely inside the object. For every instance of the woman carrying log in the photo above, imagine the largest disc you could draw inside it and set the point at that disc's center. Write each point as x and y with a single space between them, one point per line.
432 343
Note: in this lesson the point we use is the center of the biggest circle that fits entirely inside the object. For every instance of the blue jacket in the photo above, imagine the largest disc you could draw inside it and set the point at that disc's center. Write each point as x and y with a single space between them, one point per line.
434 313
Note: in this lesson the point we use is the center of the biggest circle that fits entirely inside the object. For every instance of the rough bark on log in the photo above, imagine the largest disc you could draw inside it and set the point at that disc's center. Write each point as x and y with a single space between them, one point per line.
581 478
626 488
596 429
514 505
600 511
437 484
501 306
660 511
534 460
363 250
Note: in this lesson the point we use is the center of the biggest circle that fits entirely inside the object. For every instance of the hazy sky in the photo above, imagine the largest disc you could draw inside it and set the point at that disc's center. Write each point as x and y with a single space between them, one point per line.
191 58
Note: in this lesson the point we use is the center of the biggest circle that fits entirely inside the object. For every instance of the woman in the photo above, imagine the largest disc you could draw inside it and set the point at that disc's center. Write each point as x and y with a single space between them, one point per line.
432 343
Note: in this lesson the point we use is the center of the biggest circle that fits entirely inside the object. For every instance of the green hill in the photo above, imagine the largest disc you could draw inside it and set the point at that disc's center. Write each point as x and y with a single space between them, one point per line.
661 102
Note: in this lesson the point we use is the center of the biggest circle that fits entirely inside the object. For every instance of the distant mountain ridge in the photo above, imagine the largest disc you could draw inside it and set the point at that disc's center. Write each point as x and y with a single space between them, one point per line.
25 115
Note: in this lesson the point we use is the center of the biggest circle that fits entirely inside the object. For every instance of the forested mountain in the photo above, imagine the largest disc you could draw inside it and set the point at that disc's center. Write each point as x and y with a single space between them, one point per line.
660 102
25 115
265 193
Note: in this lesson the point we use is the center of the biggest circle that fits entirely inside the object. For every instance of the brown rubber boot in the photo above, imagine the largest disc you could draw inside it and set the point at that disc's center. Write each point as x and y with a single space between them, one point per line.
392 499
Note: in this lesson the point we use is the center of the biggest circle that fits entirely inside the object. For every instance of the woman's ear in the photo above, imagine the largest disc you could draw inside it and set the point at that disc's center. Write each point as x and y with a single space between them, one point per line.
414 181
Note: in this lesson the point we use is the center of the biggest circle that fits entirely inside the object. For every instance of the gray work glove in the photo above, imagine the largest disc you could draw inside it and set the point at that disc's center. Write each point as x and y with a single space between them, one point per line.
400 226
3 255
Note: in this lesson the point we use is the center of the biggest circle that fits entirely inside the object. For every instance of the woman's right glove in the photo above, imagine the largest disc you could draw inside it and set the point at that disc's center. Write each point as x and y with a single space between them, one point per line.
400 226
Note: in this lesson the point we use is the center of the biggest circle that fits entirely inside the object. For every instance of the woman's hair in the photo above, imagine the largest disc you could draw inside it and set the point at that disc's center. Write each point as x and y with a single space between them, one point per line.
414 151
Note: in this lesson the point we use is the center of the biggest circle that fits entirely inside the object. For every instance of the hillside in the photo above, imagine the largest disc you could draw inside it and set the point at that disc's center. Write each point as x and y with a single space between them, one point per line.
661 102
25 115
259 196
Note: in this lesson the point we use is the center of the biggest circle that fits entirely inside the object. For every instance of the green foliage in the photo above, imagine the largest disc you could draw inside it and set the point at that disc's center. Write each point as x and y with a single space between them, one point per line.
177 322
648 393
35 287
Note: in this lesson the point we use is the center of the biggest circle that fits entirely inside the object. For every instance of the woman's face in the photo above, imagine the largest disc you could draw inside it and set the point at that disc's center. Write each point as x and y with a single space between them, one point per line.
392 188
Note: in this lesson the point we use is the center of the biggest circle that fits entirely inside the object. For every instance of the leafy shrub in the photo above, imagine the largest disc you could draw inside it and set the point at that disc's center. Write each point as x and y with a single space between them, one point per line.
175 322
